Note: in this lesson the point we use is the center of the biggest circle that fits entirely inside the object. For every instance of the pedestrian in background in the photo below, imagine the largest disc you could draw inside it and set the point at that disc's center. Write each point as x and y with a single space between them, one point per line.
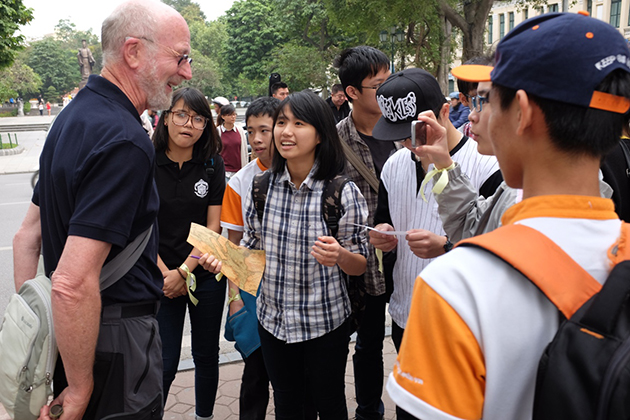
234 141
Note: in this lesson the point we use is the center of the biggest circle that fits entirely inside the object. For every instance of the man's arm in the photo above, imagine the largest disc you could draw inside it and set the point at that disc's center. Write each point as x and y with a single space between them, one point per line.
76 305
27 244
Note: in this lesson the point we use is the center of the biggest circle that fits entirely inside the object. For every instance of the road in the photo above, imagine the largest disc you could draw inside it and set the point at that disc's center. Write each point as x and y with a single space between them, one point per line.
15 190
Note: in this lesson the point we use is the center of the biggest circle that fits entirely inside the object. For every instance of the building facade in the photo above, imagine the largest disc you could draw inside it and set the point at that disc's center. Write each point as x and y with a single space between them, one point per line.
505 15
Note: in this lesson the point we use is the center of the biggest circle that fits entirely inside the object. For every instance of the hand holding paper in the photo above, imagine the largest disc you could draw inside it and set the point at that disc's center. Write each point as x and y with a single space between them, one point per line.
243 266
383 237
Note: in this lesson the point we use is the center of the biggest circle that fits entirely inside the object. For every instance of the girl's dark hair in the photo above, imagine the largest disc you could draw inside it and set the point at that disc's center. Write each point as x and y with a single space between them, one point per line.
225 110
209 144
312 109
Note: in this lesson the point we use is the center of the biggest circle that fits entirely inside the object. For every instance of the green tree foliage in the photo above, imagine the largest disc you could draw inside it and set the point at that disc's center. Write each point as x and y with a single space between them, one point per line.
55 64
206 75
13 13
301 66
188 9
51 94
18 80
253 33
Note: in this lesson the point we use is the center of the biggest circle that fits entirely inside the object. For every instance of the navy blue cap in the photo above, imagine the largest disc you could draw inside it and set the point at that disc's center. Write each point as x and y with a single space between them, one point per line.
563 57
402 97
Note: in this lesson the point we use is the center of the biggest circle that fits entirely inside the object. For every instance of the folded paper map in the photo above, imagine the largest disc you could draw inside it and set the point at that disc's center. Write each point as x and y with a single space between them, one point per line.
242 266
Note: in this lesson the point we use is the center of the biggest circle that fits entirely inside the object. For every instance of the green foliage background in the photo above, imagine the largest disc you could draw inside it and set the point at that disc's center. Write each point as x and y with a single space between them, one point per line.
234 55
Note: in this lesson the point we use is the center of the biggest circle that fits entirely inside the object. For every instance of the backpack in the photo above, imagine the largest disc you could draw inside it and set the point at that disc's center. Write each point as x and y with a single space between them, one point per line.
27 332
332 213
584 373
28 349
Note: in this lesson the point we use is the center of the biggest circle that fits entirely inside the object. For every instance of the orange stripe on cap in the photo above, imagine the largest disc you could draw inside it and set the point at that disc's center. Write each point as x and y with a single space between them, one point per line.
608 102
472 73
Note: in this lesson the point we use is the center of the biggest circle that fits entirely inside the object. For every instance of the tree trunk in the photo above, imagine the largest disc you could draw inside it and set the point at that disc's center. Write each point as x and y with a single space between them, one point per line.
445 54
472 24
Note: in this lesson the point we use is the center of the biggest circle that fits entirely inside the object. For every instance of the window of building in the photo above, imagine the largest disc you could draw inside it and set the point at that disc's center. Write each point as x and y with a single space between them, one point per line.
501 25
511 21
526 13
589 7
541 10
615 12
490 29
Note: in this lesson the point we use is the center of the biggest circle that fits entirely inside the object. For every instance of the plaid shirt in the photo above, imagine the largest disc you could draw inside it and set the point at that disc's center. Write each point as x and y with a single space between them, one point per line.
300 299
374 280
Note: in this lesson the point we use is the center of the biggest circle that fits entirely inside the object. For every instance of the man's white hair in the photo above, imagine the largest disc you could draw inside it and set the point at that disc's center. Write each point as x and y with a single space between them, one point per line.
135 18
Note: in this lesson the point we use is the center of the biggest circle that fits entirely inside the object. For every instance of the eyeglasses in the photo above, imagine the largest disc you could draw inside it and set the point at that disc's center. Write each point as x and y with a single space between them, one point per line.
182 57
476 103
372 87
181 118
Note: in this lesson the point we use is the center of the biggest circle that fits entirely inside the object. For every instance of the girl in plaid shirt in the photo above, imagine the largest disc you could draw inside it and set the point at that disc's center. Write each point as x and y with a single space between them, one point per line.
303 306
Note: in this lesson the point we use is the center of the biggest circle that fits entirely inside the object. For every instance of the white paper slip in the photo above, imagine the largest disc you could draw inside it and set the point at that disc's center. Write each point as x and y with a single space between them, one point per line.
386 232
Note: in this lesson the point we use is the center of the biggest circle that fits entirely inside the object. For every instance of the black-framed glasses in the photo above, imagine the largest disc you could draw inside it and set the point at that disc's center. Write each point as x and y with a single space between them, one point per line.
372 87
182 57
181 118
476 102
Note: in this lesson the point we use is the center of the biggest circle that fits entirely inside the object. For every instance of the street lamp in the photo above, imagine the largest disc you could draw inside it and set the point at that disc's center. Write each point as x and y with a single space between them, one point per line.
393 36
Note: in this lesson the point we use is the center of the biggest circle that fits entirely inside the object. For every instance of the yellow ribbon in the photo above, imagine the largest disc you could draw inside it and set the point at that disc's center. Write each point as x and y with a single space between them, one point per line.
191 283
441 183
379 257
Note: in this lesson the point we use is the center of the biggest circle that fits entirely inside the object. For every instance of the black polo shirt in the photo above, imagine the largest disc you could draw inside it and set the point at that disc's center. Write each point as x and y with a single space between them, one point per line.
185 195
96 181
342 112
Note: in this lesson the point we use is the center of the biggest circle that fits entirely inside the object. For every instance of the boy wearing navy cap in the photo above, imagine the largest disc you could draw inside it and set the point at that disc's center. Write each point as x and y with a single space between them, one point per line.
405 203
477 327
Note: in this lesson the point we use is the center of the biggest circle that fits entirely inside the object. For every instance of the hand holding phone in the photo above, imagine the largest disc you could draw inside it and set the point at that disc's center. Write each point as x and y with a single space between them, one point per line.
418 133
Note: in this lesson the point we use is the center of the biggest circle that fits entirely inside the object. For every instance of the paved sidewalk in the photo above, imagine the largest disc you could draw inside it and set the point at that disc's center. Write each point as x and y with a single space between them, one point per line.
30 145
181 400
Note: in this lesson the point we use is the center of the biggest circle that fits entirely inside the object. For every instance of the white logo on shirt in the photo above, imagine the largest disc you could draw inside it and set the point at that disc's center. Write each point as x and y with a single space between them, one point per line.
403 109
201 188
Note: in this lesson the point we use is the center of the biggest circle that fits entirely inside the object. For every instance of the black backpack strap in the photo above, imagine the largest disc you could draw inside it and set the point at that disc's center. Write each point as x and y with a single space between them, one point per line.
260 186
626 154
331 203
209 165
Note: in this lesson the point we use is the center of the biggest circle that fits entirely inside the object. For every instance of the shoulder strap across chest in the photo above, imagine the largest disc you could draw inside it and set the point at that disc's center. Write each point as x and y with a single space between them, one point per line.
546 265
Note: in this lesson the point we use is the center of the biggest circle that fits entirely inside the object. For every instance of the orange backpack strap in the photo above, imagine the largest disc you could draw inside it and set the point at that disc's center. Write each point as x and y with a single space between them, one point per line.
543 262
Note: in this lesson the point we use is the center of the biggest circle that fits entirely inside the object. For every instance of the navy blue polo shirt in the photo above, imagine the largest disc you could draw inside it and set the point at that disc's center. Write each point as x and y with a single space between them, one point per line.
185 195
96 181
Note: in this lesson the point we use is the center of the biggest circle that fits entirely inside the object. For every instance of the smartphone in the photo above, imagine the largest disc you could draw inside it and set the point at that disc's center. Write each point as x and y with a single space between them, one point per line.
418 133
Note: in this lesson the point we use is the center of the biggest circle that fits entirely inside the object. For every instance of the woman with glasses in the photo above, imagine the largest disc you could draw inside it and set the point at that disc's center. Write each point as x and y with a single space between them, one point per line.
234 142
190 177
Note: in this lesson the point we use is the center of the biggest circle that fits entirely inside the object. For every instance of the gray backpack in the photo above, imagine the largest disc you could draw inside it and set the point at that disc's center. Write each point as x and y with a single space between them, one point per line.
27 331
28 349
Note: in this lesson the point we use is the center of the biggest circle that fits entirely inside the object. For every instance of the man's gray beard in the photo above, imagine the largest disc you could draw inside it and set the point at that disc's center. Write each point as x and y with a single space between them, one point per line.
157 98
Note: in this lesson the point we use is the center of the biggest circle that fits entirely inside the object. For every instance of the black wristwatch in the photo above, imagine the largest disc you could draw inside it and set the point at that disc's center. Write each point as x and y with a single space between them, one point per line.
448 245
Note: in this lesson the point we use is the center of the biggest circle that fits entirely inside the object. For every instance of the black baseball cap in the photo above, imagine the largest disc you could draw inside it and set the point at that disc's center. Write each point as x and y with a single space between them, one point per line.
402 97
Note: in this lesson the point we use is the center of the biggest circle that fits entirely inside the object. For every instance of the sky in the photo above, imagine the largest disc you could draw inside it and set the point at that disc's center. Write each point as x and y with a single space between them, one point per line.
86 14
